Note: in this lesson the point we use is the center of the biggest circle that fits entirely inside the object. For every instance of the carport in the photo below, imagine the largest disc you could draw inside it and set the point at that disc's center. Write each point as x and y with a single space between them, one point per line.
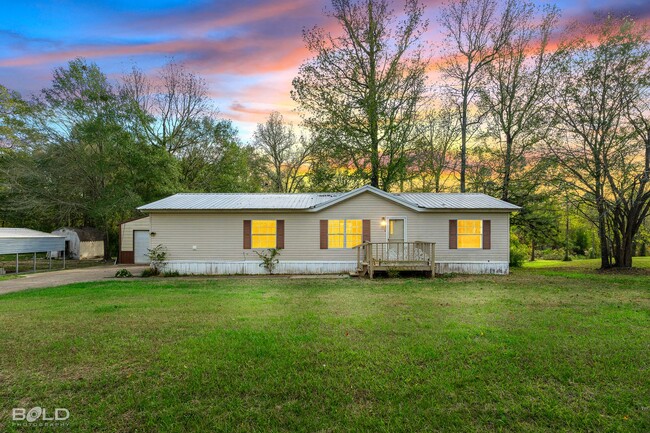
23 241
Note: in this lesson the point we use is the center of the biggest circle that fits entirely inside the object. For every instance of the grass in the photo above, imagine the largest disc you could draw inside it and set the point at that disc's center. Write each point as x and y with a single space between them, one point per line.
539 350
583 264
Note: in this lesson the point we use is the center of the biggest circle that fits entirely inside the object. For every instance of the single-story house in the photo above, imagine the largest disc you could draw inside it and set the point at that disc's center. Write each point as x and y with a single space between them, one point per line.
317 232
81 243
134 241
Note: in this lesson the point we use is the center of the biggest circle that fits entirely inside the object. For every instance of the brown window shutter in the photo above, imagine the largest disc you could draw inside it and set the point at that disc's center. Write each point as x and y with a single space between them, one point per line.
323 234
279 234
487 234
366 231
247 234
453 234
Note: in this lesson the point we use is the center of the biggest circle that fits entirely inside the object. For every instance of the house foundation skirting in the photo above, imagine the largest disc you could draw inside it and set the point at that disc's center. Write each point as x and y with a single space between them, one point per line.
191 267
499 268
253 267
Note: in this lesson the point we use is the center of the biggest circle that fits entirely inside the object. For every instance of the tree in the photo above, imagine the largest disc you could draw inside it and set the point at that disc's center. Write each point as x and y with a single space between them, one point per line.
514 94
604 157
216 162
475 33
436 135
13 110
86 167
285 157
169 106
362 88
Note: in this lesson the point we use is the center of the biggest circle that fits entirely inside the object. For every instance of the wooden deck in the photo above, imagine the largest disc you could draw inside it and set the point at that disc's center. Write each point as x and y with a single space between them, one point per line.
395 256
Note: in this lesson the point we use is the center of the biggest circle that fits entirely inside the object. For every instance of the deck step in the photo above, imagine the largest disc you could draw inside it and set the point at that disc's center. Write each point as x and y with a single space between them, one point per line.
354 274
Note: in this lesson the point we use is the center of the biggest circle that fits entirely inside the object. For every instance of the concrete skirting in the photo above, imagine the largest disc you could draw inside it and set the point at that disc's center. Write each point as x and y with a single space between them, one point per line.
187 267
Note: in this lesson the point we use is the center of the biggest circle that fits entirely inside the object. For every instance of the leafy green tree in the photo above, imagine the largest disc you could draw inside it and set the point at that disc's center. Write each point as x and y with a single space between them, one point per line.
604 157
87 167
216 161
363 86
285 158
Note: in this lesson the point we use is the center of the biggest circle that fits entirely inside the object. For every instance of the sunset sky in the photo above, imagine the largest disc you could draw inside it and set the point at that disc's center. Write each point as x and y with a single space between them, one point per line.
247 50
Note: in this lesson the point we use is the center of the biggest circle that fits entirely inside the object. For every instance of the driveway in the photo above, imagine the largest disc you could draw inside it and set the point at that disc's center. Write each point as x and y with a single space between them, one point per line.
61 278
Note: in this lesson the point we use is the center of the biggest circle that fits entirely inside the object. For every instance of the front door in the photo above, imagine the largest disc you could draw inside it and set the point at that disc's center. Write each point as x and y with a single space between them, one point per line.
396 230
396 238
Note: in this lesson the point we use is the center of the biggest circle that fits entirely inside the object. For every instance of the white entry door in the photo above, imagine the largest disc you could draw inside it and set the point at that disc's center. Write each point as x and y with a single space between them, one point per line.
396 237
396 230
141 246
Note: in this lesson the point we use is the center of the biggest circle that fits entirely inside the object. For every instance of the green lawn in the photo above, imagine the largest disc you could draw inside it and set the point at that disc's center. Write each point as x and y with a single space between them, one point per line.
539 350
637 262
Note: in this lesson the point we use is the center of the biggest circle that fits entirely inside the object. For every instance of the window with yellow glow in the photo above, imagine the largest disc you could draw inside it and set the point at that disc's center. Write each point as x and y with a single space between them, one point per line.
263 233
353 233
470 233
344 233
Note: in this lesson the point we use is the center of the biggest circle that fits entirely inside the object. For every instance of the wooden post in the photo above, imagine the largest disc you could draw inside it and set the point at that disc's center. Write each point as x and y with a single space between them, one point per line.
432 257
16 263
34 262
371 270
359 258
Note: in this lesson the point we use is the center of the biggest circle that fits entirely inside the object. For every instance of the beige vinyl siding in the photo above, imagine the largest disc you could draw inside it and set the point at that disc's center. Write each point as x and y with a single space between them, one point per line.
213 235
127 231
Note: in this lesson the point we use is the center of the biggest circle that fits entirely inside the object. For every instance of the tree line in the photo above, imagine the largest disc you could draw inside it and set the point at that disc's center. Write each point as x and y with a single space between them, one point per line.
510 103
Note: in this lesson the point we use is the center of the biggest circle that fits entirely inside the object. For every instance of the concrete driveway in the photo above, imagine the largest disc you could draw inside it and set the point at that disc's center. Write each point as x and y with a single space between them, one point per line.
61 278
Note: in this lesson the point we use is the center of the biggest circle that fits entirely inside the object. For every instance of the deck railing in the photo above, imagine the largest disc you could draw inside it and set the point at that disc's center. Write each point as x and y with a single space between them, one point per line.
383 256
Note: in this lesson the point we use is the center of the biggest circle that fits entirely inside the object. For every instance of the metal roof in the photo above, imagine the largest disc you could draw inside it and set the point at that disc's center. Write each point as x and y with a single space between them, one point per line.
429 200
15 241
13 233
318 201
233 201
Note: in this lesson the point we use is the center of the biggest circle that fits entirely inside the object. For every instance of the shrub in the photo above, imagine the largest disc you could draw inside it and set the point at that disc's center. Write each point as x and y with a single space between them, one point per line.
268 257
158 257
150 272
519 252
171 274
123 273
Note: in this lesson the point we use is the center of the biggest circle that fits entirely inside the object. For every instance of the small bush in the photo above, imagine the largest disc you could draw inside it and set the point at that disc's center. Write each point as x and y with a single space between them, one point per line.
519 252
123 273
150 272
269 260
171 274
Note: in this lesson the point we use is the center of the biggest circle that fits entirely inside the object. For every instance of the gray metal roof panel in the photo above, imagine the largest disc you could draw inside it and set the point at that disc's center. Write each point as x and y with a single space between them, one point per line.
468 201
13 233
315 201
232 201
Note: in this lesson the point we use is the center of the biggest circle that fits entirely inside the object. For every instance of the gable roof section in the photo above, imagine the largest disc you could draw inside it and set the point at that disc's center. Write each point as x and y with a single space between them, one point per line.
367 188
314 202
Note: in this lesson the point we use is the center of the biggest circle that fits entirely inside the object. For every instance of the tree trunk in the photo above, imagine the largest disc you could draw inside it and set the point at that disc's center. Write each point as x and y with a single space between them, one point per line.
532 250
463 143
107 249
605 262
507 168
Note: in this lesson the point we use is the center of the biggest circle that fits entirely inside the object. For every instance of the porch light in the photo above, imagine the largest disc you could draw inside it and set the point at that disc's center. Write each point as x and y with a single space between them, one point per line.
383 221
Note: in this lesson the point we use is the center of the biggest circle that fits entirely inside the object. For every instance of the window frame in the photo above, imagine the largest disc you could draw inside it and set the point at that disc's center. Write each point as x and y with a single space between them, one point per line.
273 235
459 235
345 233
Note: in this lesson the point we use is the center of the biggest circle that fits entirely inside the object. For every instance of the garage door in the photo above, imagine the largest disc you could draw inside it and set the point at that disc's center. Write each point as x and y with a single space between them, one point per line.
140 246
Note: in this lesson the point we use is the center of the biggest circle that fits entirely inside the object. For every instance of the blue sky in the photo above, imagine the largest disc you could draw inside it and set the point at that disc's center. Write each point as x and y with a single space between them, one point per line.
247 50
